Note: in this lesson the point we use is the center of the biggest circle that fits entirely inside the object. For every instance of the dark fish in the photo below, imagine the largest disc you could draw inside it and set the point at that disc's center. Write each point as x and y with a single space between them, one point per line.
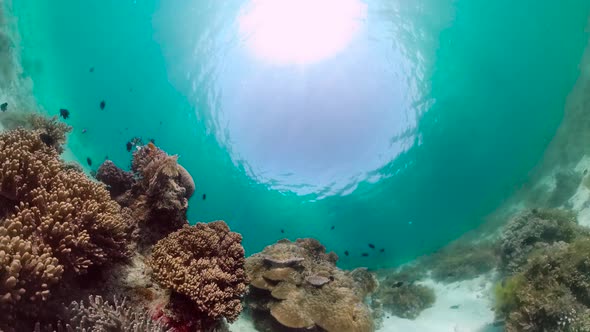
372 246
4 107
381 250
283 231
364 254
102 105
64 113
89 161
47 139
106 157
397 284
204 196
456 306
129 146
332 228
346 253
92 69
153 141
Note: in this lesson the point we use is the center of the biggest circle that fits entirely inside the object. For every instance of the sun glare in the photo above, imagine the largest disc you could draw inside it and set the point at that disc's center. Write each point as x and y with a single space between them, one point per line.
300 31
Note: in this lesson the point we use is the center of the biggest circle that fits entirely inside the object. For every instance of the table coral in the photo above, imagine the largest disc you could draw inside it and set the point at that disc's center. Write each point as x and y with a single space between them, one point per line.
299 286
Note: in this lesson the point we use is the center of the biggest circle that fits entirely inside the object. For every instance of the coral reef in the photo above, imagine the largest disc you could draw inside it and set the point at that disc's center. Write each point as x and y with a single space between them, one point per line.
404 299
551 293
534 230
117 180
399 294
300 287
205 265
56 222
157 191
462 261
99 315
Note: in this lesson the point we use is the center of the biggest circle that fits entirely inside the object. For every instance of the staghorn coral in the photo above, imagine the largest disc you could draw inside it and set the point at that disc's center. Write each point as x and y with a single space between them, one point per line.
534 230
299 285
101 316
203 265
551 293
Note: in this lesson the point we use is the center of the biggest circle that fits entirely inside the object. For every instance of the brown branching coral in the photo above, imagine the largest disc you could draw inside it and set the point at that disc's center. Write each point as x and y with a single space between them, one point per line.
101 316
56 222
299 285
27 270
51 131
205 264
117 180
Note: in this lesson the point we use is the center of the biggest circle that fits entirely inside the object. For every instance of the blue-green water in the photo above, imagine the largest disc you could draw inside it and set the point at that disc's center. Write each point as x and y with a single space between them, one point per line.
431 117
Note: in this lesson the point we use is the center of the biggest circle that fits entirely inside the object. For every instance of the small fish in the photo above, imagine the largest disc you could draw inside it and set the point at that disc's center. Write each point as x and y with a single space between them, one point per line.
397 284
47 139
64 113
153 141
84 131
283 231
346 252
332 228
89 161
106 157
4 107
129 146
372 246
204 196
364 254
102 105
381 250
92 69
456 306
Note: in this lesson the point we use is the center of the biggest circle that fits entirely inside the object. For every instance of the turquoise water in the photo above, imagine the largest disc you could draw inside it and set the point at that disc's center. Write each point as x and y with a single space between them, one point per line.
407 138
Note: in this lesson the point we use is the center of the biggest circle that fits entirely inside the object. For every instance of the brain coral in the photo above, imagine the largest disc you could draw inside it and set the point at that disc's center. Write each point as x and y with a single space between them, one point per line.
299 285
204 263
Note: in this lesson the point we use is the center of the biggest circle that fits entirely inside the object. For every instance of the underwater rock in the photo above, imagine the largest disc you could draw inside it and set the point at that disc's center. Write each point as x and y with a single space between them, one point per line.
534 230
117 180
299 286
203 264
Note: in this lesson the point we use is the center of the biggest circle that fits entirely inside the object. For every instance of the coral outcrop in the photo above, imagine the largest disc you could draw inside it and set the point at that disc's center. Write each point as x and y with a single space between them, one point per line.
300 287
534 230
203 266
157 191
404 298
552 291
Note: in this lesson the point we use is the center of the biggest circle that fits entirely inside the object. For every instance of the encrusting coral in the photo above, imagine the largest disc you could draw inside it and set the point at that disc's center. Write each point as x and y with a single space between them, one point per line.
300 287
535 230
203 263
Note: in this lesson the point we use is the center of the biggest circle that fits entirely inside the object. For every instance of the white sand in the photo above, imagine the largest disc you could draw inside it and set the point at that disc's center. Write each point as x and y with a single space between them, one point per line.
243 324
474 313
